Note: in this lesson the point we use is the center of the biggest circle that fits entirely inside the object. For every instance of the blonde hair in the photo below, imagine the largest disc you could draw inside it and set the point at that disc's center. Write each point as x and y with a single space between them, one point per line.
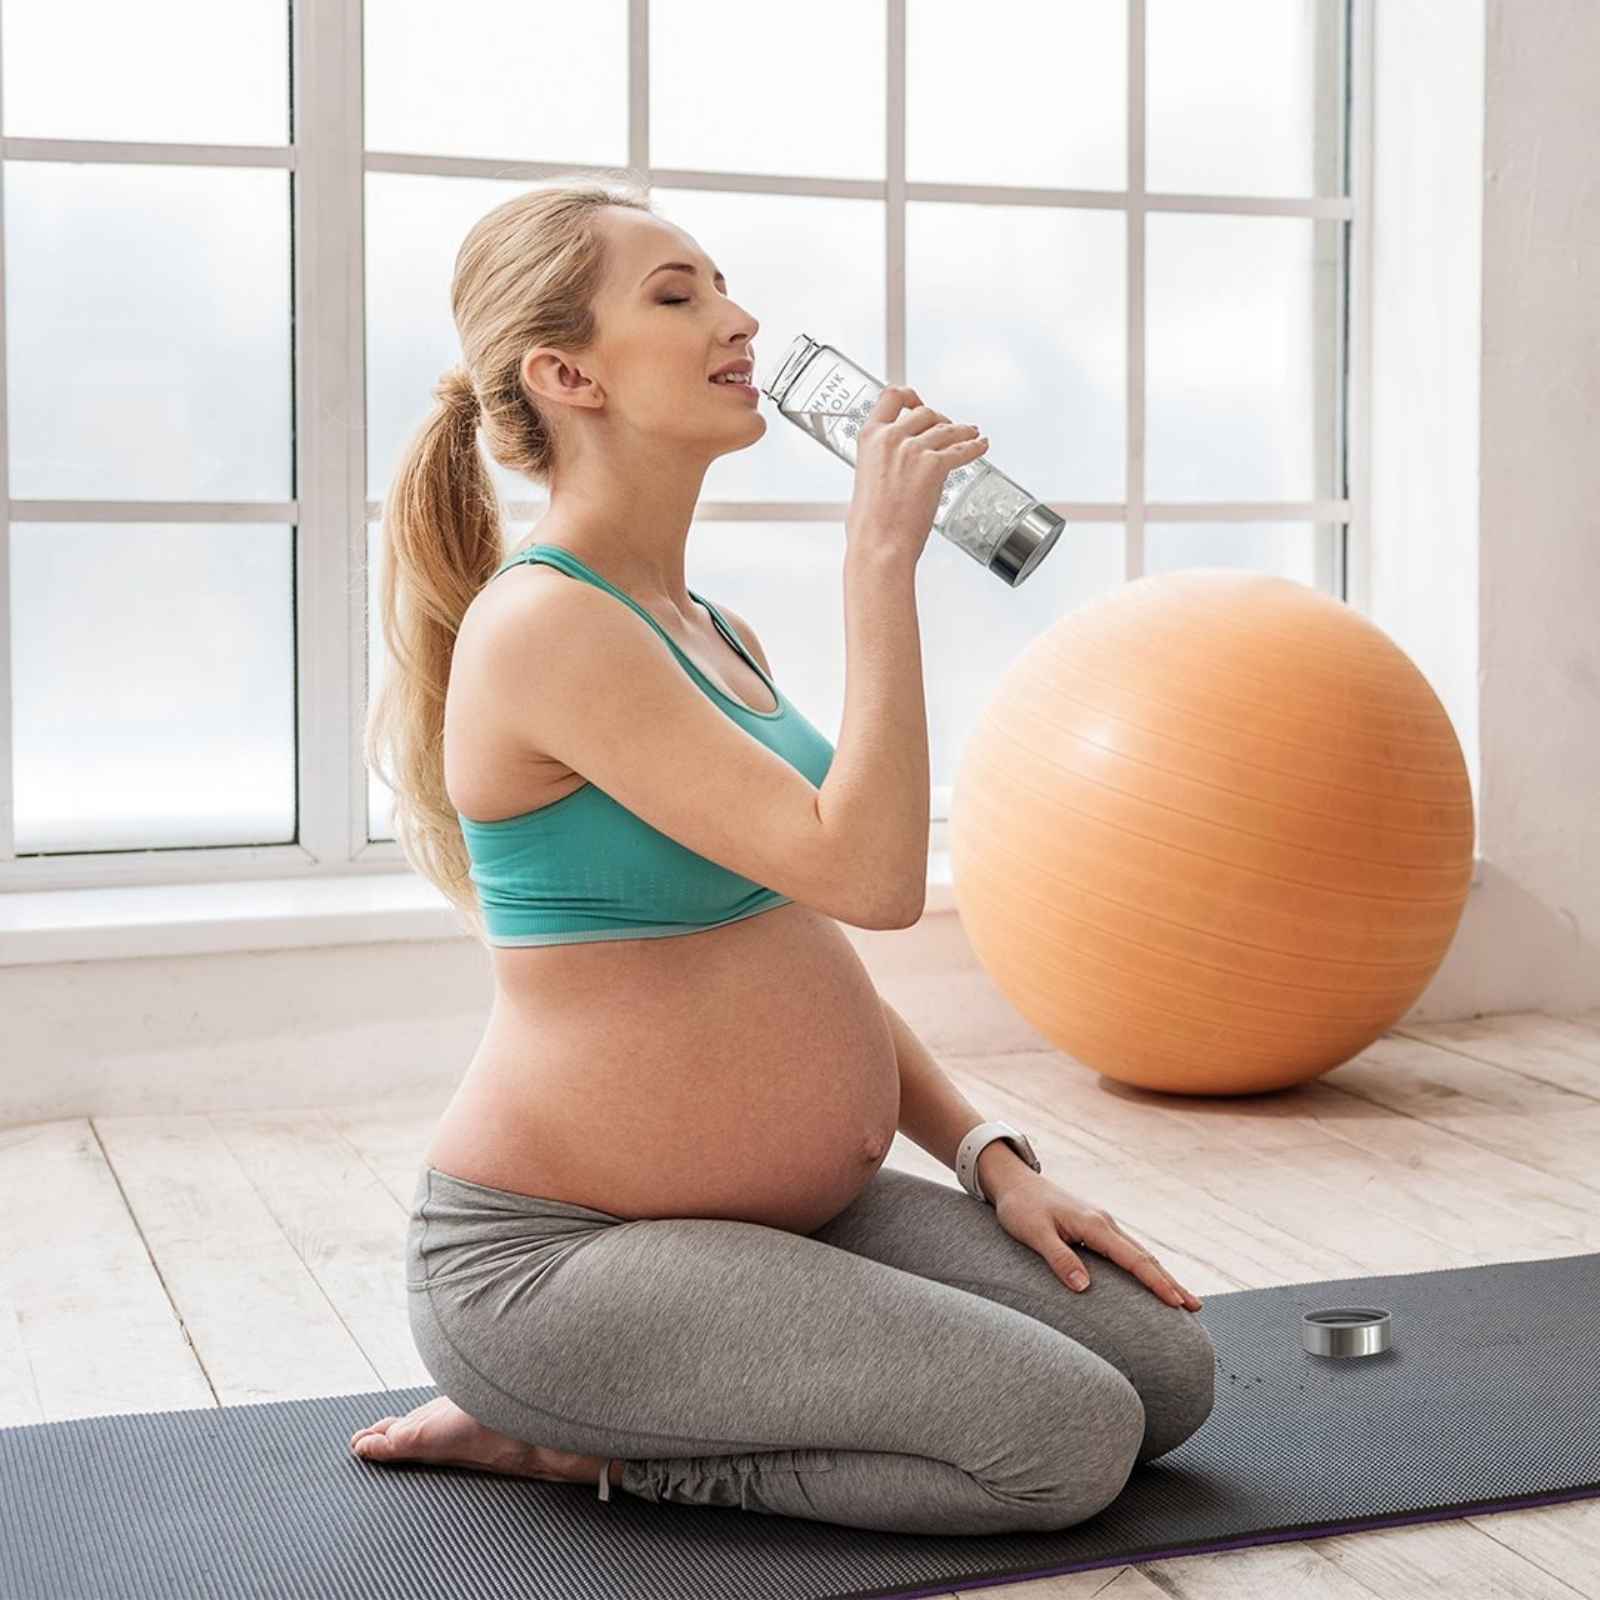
526 274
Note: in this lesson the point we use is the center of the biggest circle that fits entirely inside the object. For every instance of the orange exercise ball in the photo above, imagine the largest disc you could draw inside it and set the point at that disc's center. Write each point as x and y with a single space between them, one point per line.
1213 834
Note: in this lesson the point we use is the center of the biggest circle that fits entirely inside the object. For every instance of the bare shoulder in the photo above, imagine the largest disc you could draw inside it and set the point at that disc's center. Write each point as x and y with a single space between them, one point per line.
522 626
500 614
512 585
747 633
510 629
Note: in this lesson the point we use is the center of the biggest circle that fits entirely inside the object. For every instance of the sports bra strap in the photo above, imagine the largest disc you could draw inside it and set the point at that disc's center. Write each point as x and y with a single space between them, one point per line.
573 567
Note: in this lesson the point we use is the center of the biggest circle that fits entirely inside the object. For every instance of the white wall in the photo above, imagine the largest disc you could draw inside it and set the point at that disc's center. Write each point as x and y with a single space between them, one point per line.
1427 221
1486 537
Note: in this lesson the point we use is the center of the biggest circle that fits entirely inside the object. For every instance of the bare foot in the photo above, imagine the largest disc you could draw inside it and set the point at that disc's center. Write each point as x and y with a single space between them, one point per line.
440 1431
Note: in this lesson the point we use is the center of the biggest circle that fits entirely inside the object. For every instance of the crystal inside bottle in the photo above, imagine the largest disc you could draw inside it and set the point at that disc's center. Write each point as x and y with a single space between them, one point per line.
981 511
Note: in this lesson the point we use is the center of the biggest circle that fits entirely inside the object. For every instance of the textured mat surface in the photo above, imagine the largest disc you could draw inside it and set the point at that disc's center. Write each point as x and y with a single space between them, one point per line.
1489 1399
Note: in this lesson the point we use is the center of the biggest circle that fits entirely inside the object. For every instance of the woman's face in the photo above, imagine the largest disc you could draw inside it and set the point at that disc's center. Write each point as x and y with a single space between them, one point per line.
662 332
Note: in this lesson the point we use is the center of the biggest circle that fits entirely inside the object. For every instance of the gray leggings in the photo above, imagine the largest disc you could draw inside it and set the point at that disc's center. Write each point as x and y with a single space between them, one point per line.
908 1366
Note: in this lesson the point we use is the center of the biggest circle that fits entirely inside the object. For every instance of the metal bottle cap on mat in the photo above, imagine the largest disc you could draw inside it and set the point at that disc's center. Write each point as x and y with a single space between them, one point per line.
1346 1331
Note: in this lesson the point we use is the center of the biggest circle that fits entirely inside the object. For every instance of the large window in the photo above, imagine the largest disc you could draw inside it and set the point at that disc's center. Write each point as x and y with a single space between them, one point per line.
1122 235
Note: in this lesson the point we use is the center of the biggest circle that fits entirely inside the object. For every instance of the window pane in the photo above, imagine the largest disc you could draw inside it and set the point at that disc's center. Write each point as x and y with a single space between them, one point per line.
797 264
116 374
1241 357
792 89
498 78
182 72
153 685
1017 93
1245 97
1285 549
1016 322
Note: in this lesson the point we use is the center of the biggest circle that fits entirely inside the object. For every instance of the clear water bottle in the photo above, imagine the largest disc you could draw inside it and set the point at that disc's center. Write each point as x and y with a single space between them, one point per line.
981 511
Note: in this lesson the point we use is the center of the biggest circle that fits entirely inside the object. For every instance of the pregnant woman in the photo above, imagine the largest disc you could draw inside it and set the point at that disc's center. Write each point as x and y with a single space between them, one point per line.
653 1245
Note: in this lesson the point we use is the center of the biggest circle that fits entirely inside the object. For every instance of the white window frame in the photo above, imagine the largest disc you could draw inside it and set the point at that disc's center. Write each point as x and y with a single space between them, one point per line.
331 514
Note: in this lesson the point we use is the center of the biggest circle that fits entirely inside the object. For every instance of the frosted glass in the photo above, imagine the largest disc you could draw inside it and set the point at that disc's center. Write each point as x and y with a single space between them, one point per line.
1016 322
1242 386
154 682
1244 97
1285 549
1016 92
498 78
790 89
147 331
181 72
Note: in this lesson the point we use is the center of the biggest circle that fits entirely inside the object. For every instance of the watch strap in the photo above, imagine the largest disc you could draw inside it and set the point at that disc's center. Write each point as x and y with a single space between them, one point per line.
974 1145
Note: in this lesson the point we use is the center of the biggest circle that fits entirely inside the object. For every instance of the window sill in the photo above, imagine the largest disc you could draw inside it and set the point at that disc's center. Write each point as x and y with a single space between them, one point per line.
250 914
263 914
184 919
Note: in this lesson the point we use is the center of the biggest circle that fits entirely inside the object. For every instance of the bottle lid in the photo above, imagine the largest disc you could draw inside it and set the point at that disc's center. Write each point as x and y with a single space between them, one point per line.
1026 544
1346 1331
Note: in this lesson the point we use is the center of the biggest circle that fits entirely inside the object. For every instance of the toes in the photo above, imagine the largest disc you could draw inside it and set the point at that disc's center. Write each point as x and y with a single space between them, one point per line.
375 1427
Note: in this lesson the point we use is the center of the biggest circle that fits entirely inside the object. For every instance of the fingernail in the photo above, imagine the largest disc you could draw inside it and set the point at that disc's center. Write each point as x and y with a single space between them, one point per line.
1078 1280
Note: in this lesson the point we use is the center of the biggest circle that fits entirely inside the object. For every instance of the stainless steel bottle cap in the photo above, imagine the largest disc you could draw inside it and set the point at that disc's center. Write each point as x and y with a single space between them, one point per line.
1027 544
1346 1331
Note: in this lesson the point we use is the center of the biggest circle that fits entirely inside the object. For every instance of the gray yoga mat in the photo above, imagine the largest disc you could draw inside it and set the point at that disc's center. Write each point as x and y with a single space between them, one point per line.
1488 1399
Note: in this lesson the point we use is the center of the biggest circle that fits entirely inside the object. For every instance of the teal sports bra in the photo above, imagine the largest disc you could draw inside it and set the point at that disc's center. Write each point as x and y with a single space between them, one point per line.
585 868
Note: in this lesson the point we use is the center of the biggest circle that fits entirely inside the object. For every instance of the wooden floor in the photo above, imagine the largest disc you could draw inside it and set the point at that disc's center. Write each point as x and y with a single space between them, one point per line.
178 1261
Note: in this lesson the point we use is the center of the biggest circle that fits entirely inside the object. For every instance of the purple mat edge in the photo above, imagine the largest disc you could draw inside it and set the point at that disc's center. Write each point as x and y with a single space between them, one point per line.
1300 1531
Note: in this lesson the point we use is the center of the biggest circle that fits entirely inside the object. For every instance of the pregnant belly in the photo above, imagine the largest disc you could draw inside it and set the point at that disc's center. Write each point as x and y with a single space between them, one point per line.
745 1072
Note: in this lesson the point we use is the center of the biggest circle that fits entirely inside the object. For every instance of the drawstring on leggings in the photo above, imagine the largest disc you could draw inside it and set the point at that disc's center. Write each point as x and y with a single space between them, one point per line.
605 1478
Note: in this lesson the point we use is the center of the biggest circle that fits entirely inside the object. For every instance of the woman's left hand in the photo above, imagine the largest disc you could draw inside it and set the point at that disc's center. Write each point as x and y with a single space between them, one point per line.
1045 1218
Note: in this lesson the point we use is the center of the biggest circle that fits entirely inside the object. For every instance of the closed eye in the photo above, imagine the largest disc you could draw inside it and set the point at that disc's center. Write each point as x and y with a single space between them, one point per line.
674 302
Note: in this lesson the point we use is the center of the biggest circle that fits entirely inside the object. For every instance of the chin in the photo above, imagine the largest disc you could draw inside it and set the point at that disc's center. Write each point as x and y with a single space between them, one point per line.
751 436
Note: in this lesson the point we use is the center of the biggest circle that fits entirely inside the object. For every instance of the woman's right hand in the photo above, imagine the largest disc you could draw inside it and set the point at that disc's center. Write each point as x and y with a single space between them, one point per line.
904 453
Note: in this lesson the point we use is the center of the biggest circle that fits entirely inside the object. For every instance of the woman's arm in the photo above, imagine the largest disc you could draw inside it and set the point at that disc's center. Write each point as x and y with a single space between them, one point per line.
936 1115
933 1112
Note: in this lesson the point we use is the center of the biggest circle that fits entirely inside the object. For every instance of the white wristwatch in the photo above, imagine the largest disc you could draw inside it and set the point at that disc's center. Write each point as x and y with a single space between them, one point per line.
973 1145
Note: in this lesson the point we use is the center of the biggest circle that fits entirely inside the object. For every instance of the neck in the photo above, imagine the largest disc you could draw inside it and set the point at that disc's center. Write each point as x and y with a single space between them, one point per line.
632 529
